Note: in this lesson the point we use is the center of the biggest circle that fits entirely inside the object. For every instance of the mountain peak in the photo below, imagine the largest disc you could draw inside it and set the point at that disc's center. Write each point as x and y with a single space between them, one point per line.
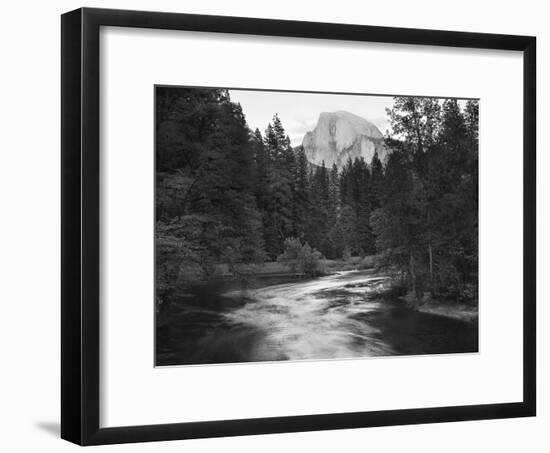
341 135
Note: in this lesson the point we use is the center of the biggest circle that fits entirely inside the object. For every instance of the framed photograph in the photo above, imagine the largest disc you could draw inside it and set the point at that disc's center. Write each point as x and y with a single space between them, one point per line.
275 226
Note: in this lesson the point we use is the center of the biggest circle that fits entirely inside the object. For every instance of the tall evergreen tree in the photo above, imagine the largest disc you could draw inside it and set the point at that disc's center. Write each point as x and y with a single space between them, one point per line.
278 213
301 201
262 168
206 208
377 181
427 220
317 235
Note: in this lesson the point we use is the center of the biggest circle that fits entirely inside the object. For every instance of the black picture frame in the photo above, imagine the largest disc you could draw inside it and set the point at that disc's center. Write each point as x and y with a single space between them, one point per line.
80 263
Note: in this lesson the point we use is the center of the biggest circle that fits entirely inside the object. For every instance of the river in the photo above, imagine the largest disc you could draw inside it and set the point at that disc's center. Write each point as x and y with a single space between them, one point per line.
337 316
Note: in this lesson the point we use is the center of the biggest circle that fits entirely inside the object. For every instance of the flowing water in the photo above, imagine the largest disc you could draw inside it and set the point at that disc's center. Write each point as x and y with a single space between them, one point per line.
338 316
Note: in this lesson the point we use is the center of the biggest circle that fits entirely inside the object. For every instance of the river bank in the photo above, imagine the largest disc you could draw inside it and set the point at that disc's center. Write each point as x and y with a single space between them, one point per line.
461 312
387 289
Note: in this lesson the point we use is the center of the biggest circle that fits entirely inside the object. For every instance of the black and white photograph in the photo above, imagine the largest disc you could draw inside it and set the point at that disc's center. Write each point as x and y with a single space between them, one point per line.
311 226
275 226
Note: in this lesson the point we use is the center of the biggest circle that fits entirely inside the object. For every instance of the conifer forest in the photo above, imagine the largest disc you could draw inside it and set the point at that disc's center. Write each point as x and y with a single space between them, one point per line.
352 242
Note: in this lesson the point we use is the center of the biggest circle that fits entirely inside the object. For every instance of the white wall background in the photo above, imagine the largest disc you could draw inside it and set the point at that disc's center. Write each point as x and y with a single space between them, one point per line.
29 239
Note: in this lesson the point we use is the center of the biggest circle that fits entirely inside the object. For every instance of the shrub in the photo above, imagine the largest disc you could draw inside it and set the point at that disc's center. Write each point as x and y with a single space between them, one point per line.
302 258
312 262
292 254
368 262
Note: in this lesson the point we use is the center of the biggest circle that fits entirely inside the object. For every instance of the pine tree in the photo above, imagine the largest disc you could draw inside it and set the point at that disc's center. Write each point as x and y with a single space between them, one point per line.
278 209
427 219
261 161
377 181
336 240
317 234
471 119
334 190
301 201
457 220
405 208
282 139
205 203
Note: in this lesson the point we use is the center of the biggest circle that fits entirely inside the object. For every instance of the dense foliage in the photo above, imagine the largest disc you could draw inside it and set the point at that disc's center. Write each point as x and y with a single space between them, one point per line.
206 210
301 258
427 222
229 199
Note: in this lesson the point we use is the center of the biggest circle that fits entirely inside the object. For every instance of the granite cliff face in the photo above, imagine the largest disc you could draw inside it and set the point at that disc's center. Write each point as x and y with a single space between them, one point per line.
342 135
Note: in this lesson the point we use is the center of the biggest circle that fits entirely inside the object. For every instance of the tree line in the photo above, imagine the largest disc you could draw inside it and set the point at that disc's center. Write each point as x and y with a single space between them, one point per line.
427 222
228 195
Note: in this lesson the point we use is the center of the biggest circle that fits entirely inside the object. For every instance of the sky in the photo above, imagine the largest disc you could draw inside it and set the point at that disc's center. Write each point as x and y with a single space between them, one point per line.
299 112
